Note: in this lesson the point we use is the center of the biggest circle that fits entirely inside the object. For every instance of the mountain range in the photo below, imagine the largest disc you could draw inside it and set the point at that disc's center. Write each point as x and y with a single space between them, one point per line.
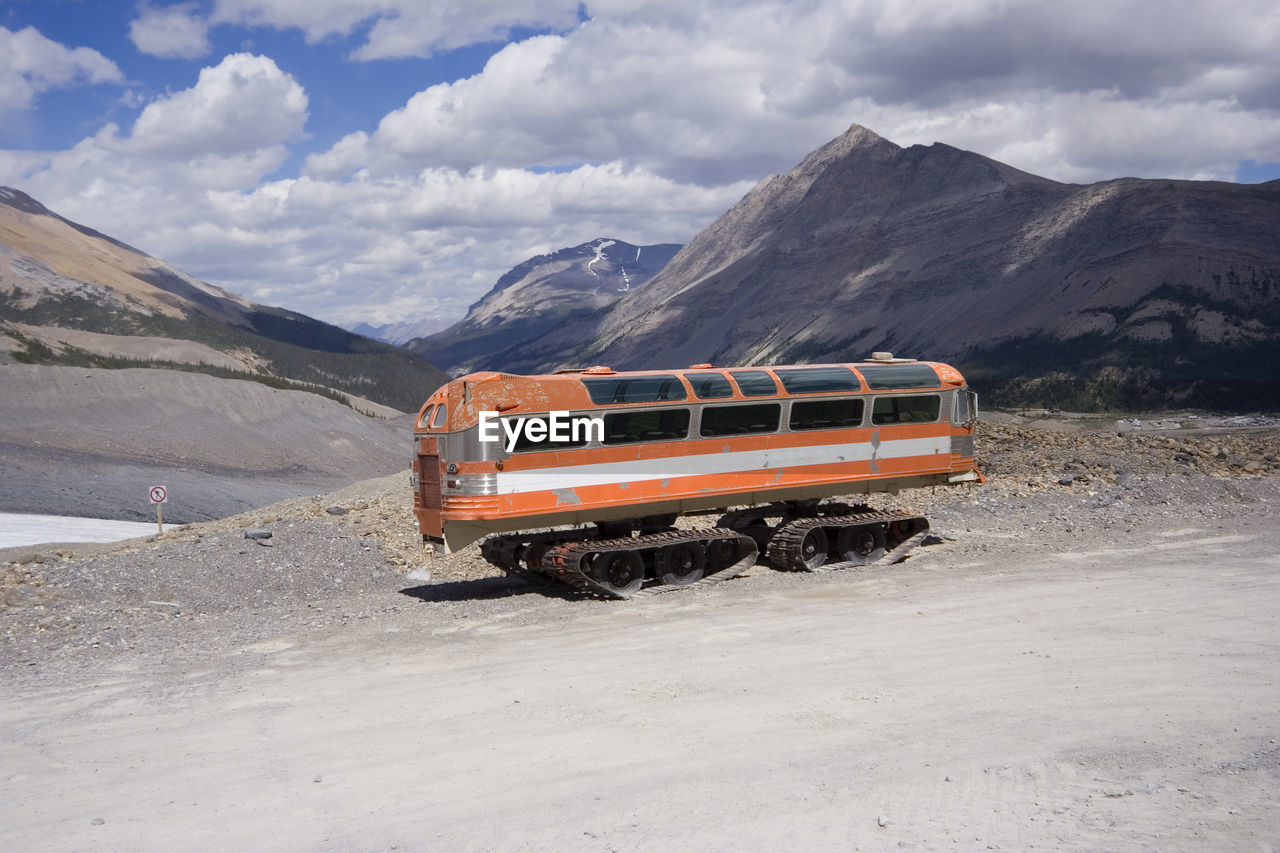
400 332
539 296
1123 293
1127 293
72 295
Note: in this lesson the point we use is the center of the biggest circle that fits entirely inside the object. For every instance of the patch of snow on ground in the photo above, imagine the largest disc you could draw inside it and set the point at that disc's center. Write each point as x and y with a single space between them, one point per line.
18 530
599 247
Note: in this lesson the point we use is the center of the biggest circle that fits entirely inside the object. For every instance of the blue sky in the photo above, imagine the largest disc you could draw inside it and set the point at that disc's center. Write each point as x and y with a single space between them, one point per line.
344 94
382 160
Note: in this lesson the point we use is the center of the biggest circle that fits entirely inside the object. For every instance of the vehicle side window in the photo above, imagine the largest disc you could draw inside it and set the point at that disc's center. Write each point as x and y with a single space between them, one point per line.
438 419
887 377
740 420
818 380
634 389
754 383
826 414
708 386
905 410
646 425
425 420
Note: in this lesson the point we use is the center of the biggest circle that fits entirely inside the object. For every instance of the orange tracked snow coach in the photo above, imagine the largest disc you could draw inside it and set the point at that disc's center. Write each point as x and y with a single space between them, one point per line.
580 475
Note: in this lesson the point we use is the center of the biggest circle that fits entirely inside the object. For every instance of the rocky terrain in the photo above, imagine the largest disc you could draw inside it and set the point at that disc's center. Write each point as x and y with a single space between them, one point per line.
1085 660
1064 463
1122 294
537 297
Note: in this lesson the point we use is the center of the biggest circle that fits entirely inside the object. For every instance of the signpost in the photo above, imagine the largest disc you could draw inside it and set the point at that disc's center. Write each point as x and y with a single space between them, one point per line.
159 494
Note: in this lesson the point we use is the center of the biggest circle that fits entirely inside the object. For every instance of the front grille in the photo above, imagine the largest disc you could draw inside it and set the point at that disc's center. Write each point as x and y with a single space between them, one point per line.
486 505
961 445
428 491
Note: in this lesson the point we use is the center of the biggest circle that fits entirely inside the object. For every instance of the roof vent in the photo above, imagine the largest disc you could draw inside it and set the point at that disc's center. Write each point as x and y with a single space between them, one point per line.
599 370
882 356
700 366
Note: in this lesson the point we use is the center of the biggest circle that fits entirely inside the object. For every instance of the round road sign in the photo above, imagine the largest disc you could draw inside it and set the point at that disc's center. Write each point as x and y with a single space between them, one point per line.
159 494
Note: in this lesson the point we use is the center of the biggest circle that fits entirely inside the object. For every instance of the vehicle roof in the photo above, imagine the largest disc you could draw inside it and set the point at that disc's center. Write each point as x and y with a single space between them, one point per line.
565 390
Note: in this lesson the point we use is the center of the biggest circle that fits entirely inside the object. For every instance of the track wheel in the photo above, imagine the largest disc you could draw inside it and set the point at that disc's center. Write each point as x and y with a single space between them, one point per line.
900 531
499 551
619 572
533 554
748 524
682 564
863 543
813 549
721 554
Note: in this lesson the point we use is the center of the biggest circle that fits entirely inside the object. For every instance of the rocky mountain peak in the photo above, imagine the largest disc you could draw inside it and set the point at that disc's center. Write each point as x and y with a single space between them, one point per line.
19 200
539 295
1148 292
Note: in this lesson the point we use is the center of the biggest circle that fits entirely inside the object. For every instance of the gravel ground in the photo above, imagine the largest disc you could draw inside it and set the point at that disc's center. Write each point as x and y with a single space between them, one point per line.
1135 565
87 442
1054 482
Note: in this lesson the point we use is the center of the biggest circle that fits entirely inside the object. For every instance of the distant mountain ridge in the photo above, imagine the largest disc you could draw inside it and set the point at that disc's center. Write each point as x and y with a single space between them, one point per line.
397 333
1128 292
539 296
72 295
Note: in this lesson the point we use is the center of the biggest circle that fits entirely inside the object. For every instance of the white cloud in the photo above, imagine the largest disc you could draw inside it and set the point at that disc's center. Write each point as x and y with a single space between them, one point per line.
397 28
712 93
170 31
389 248
224 134
227 132
379 248
421 29
317 19
655 117
1092 136
688 104
30 64
244 103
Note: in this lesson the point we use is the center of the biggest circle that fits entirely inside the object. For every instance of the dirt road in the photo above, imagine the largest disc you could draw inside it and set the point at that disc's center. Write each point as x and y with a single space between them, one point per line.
1089 689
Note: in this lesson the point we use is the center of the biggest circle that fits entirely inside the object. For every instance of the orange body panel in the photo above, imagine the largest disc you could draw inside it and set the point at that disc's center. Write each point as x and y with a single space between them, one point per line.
464 490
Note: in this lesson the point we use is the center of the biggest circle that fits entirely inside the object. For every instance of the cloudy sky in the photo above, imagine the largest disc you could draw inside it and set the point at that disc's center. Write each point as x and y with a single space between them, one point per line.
388 159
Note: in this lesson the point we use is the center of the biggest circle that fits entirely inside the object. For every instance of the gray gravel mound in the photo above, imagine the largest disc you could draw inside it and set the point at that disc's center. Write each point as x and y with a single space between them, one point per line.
76 441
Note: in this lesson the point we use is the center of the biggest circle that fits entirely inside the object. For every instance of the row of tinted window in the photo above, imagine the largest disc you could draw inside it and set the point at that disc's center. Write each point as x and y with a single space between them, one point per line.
746 419
612 390
752 383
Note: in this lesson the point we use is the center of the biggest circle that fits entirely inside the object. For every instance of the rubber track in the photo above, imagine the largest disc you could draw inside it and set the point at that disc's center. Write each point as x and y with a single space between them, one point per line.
566 561
500 551
563 562
785 545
